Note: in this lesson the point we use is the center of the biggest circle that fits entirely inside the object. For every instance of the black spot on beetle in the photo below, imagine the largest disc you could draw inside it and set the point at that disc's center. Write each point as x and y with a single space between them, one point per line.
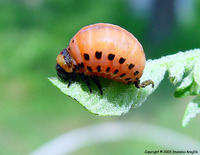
136 73
127 79
99 68
131 66
137 78
111 57
81 65
122 75
89 68
107 69
116 71
122 60
98 54
86 56
73 41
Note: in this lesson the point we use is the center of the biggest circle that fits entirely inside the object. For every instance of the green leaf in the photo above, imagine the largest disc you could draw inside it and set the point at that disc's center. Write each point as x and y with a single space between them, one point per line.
113 102
186 86
190 85
197 71
192 109
117 98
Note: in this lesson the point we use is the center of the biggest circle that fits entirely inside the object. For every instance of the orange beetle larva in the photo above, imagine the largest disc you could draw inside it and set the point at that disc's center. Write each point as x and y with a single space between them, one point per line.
104 50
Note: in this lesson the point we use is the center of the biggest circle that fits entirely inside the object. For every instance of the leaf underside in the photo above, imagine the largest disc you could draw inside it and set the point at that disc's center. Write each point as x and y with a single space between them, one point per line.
191 111
117 98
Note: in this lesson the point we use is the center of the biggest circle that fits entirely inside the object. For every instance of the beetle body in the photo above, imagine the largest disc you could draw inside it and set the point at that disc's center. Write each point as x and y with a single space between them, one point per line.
104 50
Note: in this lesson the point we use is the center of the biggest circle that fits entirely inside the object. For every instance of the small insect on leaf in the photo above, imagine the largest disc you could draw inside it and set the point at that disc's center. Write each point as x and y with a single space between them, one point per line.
100 48
110 83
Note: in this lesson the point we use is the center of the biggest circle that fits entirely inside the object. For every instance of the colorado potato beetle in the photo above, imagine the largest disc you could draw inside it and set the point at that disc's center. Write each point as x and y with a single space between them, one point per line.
104 50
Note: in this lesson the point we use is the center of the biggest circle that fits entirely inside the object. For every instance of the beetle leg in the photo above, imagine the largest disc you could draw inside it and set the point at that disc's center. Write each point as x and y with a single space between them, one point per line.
86 80
73 76
144 84
97 82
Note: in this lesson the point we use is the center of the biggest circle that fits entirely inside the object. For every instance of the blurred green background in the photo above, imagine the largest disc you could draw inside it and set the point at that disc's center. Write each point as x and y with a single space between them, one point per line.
33 32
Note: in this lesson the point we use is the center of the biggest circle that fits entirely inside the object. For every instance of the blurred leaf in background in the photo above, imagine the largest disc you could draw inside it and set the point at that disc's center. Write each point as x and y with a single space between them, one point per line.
33 32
